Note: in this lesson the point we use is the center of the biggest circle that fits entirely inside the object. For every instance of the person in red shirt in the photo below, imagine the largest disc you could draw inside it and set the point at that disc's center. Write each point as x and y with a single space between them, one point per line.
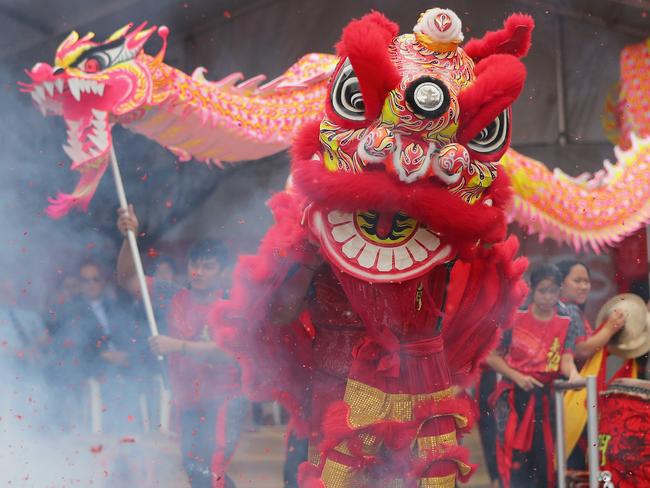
537 349
205 381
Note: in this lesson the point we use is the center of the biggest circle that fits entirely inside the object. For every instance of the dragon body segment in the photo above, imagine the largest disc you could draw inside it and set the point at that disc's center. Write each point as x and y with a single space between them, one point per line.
96 85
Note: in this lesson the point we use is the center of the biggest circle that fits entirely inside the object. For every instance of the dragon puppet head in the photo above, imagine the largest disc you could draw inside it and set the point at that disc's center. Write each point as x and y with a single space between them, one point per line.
402 173
91 84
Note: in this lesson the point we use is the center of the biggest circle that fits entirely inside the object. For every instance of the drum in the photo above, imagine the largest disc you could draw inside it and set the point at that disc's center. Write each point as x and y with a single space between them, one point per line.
624 432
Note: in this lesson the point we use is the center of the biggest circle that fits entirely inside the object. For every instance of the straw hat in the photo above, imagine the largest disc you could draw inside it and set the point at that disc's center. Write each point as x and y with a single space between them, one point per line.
633 340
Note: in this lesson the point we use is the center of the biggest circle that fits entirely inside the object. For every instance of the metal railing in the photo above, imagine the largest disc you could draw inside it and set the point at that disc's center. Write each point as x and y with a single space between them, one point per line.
592 428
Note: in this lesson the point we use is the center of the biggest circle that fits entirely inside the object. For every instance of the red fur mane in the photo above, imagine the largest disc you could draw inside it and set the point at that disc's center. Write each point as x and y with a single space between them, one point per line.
513 39
364 42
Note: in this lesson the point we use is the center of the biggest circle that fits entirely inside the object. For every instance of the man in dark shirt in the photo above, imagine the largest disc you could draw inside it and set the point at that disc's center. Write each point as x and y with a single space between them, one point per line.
97 340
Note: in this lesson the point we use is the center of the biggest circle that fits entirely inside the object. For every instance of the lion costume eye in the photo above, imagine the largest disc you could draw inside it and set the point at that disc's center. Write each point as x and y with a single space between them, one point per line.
493 137
346 97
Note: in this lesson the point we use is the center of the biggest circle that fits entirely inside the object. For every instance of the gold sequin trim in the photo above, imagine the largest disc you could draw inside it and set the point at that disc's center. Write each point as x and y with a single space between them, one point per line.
431 443
369 404
463 468
313 454
369 442
439 482
337 475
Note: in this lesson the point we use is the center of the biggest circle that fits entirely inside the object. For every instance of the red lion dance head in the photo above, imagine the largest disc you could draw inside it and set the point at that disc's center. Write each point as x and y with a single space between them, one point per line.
413 129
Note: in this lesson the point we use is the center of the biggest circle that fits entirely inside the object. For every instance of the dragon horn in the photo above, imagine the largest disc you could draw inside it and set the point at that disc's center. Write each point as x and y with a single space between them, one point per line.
68 41
119 33
163 32
139 36
87 37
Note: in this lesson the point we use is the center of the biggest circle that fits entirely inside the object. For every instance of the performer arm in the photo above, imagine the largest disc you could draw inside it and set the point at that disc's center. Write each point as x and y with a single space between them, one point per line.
287 303
127 220
523 381
598 340
568 367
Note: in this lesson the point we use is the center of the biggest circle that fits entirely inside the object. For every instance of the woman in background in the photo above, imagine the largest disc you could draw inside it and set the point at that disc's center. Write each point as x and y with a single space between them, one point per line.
576 285
538 348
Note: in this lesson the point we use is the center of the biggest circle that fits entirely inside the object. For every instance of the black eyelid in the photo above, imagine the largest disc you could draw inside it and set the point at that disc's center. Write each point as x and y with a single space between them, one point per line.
93 50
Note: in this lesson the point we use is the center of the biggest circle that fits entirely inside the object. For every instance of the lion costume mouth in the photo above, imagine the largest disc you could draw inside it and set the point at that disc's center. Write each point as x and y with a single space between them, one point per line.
404 250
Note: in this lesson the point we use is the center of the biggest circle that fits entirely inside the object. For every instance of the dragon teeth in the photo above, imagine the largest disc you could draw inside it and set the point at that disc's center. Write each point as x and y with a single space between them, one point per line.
49 87
100 89
73 125
74 153
74 86
40 93
99 140
59 84
98 114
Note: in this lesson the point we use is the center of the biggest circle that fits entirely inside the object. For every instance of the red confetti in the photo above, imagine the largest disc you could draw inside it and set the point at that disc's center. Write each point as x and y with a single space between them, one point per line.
90 246
96 449
168 203
152 253
130 418
128 440
144 177
227 14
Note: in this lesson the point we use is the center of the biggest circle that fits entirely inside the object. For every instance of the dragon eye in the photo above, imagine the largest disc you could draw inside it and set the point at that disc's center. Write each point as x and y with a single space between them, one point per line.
97 62
100 58
493 137
346 97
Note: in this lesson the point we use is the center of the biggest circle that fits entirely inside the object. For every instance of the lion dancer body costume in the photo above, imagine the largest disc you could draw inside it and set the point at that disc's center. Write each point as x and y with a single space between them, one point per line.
398 188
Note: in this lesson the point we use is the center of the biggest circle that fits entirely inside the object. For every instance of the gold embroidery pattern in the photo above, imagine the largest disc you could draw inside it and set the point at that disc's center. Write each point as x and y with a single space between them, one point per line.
369 404
434 442
553 356
337 475
439 482
418 297
603 444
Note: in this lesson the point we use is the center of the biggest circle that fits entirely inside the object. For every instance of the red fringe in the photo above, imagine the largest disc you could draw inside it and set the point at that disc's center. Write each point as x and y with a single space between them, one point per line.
365 42
483 297
275 361
309 476
499 81
430 203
